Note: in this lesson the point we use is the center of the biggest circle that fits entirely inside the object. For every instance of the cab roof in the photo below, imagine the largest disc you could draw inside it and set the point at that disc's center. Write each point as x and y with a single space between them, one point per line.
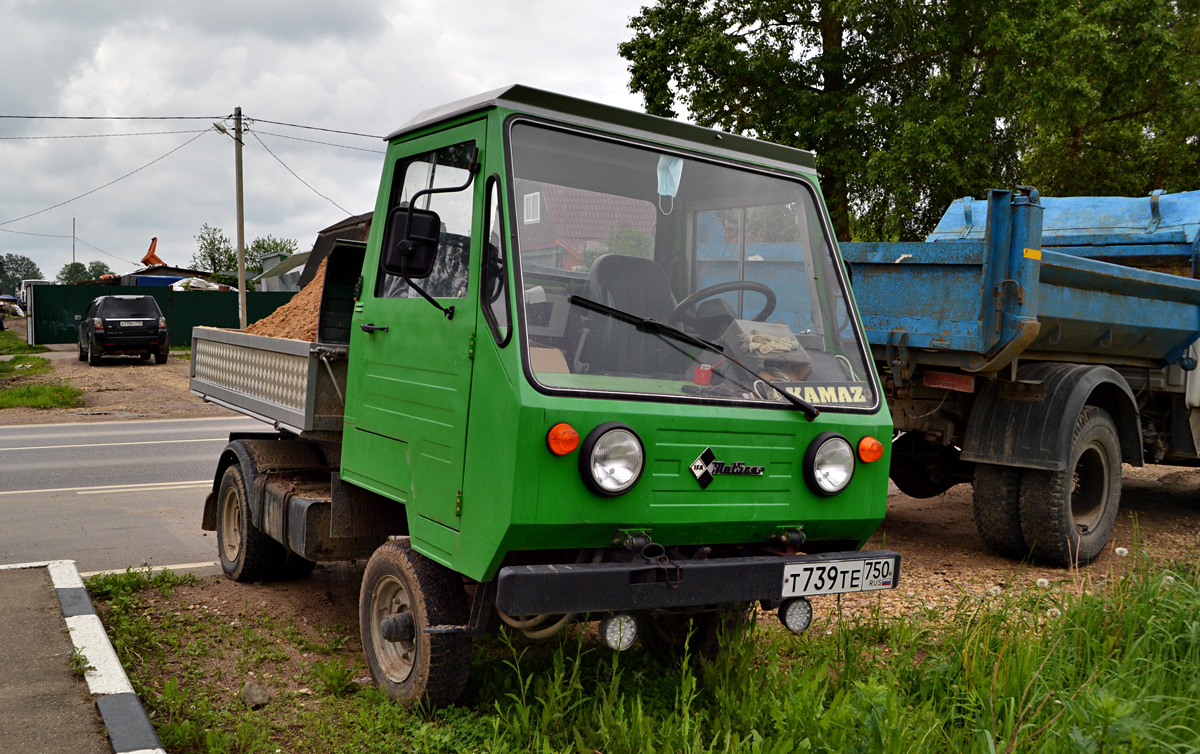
559 107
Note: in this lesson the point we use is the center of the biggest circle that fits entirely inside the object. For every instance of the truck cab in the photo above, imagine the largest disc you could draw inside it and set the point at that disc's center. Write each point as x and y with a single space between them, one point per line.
597 365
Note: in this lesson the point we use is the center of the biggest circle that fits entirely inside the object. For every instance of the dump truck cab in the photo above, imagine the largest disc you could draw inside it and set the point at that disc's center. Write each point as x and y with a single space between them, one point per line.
599 365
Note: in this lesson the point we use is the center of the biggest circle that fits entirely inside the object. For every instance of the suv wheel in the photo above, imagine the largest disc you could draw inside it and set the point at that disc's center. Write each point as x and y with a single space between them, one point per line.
93 353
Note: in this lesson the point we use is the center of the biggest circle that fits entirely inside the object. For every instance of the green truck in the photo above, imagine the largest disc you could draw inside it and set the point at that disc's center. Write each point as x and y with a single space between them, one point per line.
589 365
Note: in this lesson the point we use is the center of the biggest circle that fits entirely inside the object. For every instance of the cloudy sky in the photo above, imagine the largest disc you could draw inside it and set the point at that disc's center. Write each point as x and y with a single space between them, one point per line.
364 66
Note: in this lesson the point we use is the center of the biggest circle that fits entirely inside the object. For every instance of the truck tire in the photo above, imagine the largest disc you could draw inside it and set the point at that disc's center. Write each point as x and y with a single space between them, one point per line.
244 551
1067 516
418 668
290 566
93 353
997 506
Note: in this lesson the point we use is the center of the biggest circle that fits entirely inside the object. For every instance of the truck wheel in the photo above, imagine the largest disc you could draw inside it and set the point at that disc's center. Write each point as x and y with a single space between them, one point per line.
243 549
997 504
290 566
93 353
924 470
1067 516
403 593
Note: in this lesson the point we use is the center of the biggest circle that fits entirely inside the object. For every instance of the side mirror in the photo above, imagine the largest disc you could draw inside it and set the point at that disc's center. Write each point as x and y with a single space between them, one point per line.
78 317
411 253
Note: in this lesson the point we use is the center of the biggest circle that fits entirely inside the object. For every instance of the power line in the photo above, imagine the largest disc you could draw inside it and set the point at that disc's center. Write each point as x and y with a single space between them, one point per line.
96 136
138 170
42 235
102 251
314 128
285 167
112 117
326 143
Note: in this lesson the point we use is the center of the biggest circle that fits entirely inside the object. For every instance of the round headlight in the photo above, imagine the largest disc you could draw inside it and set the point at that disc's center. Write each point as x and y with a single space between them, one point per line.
611 459
829 464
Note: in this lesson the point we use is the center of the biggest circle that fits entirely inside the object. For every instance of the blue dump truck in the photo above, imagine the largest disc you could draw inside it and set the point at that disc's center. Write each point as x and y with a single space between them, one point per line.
1032 345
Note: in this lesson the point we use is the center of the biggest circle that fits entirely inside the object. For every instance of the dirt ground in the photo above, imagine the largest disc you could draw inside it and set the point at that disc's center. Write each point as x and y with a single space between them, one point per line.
944 558
122 387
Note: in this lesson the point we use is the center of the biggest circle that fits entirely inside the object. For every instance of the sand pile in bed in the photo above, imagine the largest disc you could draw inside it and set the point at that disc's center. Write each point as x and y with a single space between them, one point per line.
297 319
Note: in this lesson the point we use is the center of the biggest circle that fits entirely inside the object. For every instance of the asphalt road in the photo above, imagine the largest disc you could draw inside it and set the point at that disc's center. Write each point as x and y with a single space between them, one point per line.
110 494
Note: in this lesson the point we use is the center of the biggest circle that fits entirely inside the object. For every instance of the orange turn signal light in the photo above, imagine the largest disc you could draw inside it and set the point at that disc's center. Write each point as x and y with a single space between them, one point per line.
563 439
870 449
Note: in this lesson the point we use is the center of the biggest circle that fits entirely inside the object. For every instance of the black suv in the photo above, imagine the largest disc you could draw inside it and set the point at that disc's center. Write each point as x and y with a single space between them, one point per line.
124 325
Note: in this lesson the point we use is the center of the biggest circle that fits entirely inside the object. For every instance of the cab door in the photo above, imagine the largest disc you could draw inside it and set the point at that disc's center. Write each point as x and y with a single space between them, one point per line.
407 397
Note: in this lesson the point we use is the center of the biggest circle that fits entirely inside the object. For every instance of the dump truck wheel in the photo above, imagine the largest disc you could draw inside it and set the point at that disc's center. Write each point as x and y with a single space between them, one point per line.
403 593
997 504
243 549
1067 516
93 353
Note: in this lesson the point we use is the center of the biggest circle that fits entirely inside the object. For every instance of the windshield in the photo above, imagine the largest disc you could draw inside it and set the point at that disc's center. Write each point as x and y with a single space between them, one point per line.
134 308
612 234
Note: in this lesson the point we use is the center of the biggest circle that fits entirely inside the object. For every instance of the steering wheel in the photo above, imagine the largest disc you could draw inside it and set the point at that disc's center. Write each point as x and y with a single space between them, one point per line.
679 312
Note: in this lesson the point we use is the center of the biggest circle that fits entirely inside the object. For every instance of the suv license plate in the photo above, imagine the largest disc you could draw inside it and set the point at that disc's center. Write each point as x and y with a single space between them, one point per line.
838 576
123 323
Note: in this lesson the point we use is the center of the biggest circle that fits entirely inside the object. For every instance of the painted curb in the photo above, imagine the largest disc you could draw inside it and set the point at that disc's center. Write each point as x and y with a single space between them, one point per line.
128 726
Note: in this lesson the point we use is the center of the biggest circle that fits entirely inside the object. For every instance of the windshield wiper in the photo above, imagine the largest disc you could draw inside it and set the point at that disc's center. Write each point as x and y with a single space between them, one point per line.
652 325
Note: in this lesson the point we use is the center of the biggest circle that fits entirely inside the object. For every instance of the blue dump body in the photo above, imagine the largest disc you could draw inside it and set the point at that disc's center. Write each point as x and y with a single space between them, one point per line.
1088 280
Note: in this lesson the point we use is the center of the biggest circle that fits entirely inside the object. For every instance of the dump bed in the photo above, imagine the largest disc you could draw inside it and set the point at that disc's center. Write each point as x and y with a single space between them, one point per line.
1053 279
292 384
295 385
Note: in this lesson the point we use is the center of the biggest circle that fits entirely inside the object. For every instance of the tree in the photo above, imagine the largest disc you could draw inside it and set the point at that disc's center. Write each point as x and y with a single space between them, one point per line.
623 239
78 272
910 105
214 251
264 245
13 269
97 269
72 272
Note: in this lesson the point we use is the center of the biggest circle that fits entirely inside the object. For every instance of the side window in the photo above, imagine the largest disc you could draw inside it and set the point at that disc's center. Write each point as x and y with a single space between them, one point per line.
445 167
494 276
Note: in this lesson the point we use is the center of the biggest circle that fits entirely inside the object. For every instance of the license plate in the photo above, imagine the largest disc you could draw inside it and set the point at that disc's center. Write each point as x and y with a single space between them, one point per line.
839 576
123 323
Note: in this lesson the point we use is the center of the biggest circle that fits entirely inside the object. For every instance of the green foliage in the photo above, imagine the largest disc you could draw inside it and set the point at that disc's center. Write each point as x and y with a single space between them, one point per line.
10 342
78 272
334 676
270 244
911 105
623 239
78 662
13 269
23 366
108 586
214 251
40 396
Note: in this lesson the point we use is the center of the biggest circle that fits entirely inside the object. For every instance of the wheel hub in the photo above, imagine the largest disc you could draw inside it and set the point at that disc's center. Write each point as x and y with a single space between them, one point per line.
393 629
231 525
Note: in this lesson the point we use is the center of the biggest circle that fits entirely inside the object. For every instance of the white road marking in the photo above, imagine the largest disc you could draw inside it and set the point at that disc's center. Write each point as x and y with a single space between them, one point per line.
164 487
153 569
112 444
116 488
107 675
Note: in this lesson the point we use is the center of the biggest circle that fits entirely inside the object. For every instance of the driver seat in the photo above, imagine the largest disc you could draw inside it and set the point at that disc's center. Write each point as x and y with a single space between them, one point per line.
640 287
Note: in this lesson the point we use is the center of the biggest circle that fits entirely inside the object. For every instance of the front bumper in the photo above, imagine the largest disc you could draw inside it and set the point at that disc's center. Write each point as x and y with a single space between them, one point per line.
610 587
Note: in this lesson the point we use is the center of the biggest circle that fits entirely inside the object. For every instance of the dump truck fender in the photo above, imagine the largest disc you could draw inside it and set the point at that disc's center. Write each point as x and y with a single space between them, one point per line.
259 453
1029 423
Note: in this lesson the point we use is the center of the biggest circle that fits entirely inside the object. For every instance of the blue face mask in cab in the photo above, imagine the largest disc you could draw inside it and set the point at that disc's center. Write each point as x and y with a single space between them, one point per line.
669 171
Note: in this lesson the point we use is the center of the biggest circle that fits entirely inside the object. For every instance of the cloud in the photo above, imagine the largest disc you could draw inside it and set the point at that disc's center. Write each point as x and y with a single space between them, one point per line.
359 65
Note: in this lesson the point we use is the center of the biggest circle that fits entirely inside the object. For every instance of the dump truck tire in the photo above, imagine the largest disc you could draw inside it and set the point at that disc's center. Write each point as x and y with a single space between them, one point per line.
244 551
997 508
417 668
1068 516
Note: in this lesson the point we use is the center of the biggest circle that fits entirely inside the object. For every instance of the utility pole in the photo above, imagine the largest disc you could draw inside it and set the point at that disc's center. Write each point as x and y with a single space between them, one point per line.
241 215
72 251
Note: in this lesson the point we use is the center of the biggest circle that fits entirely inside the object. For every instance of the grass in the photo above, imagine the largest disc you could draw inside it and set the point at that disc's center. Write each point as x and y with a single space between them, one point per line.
11 343
40 396
1114 669
24 366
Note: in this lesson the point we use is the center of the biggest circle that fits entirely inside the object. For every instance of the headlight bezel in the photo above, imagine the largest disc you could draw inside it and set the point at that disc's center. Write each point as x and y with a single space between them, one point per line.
810 463
586 464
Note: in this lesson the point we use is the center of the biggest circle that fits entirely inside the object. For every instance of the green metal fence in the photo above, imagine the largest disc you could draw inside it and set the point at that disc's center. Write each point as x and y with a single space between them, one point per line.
53 309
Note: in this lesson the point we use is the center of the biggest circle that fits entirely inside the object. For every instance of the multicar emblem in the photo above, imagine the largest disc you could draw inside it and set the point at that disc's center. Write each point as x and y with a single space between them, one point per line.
707 466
